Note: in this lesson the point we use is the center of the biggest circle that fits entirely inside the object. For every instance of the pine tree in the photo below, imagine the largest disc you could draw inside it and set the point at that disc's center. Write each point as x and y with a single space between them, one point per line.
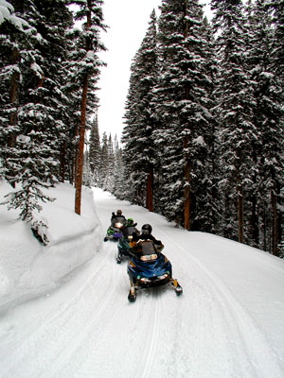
234 94
31 147
269 121
182 107
95 152
86 71
140 123
119 186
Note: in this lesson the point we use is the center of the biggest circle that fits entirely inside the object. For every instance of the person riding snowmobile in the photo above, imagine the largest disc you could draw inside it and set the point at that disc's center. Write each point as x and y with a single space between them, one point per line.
145 235
118 222
117 215
129 233
148 266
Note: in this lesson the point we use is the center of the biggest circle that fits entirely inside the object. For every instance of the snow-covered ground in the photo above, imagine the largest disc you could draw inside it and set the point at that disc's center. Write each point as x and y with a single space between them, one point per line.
64 310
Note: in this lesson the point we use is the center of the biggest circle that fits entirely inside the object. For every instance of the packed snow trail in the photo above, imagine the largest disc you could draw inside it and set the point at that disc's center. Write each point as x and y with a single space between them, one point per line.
220 327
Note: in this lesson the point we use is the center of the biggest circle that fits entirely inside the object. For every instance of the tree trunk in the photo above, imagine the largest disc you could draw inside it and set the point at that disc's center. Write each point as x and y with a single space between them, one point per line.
82 127
150 181
187 192
62 161
275 234
80 149
240 210
254 222
187 168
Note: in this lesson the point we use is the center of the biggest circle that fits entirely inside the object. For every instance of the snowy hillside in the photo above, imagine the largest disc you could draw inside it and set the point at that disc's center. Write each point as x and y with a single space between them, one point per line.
64 310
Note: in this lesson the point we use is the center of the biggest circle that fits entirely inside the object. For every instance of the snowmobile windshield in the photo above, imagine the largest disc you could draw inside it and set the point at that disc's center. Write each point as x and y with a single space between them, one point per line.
129 231
148 251
118 222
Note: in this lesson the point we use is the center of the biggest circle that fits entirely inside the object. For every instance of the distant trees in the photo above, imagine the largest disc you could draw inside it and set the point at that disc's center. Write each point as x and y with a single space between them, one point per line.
216 108
103 162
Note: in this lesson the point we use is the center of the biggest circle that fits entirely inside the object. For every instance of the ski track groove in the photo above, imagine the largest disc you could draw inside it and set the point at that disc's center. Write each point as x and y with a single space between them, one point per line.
147 360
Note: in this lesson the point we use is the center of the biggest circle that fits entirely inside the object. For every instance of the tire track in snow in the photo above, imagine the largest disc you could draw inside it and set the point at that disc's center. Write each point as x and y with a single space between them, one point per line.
147 359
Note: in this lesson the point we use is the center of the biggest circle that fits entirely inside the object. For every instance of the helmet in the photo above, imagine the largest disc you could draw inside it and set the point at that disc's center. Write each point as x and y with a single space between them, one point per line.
130 221
146 229
119 212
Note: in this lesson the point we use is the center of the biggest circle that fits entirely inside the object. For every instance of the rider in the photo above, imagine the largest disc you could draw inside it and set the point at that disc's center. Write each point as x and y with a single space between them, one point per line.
130 228
118 214
146 234
116 219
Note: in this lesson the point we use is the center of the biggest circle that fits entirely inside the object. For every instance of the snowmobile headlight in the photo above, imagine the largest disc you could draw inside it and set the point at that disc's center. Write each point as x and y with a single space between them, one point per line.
153 256
130 237
118 225
163 276
145 279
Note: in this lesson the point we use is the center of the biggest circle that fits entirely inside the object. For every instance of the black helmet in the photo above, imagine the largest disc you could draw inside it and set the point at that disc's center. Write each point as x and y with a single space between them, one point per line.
146 229
119 212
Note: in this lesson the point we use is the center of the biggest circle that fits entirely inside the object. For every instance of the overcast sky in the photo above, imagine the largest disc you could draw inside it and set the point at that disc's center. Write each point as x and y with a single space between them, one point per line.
128 21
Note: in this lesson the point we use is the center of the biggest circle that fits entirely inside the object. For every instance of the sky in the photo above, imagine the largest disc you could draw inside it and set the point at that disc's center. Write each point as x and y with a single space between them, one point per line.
64 311
128 21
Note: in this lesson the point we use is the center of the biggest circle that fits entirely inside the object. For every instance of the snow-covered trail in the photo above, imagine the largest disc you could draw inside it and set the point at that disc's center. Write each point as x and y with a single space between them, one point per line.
87 328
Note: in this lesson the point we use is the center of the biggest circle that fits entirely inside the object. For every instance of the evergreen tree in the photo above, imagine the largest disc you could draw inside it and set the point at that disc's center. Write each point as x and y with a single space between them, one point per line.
85 72
182 107
234 94
269 120
95 152
119 186
139 151
104 161
110 168
34 125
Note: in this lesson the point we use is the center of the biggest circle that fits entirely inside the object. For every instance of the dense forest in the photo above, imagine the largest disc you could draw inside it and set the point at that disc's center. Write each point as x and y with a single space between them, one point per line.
203 137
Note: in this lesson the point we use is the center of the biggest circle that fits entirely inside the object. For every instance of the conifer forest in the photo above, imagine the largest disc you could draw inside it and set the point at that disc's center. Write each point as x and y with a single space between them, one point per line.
203 134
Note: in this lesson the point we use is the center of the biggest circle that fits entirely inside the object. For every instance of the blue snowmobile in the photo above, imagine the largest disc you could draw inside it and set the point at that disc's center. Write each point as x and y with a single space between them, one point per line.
148 267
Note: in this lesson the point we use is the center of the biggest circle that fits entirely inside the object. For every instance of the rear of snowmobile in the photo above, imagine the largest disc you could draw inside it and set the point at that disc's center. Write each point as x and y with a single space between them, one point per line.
123 243
150 268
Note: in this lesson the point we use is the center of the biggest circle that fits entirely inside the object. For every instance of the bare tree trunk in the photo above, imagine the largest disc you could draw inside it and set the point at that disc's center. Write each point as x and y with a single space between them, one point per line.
62 161
240 210
82 127
80 149
187 167
150 181
187 191
254 222
275 234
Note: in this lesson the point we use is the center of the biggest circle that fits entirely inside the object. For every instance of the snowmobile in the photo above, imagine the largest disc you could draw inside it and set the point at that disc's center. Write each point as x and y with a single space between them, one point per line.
123 243
148 267
114 232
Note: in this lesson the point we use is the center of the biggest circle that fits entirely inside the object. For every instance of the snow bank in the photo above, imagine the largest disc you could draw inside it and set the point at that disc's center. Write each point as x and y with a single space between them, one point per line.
27 268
